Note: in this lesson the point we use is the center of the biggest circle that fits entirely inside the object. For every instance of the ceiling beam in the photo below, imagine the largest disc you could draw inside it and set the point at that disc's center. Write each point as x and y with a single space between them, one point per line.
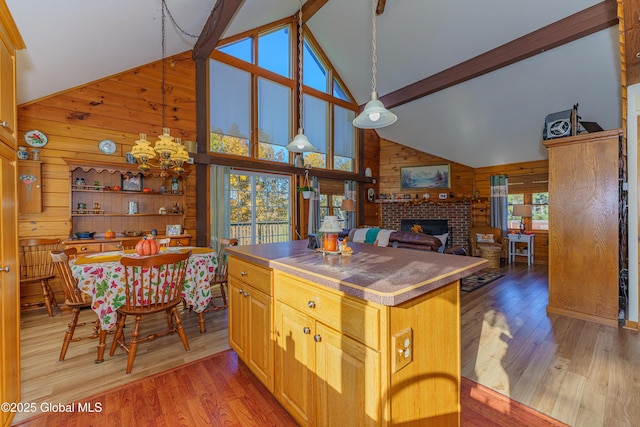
220 17
311 7
593 19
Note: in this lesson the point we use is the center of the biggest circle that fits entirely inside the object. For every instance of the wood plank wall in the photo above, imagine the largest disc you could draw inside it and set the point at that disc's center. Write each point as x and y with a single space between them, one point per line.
371 159
464 180
117 108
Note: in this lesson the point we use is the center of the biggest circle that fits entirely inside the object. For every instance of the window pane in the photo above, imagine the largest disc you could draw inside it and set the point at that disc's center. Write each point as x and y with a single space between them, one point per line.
338 92
316 117
274 120
274 52
230 104
540 219
513 199
314 74
241 49
344 139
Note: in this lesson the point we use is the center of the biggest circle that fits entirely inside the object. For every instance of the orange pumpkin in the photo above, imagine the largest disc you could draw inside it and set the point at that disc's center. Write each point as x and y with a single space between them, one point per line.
109 234
148 245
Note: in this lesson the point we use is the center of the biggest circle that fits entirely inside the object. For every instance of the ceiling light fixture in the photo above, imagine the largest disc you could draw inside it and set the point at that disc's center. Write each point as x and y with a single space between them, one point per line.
171 152
300 144
374 114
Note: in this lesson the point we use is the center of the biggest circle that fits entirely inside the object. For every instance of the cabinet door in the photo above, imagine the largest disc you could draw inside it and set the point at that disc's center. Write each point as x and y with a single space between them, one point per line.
7 96
237 333
259 348
29 186
294 362
347 380
9 295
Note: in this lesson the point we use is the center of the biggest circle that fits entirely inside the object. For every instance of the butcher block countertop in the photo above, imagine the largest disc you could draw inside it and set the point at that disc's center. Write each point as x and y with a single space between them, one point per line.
387 276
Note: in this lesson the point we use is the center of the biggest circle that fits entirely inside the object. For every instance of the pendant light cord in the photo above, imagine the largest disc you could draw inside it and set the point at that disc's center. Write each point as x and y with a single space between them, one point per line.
164 6
300 117
374 58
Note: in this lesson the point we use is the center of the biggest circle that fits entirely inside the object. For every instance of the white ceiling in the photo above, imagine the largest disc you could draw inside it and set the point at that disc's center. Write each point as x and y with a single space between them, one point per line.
493 119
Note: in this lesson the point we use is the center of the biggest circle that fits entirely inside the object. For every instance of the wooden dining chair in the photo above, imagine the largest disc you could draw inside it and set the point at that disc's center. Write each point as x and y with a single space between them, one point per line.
74 299
129 243
164 242
221 277
36 267
152 285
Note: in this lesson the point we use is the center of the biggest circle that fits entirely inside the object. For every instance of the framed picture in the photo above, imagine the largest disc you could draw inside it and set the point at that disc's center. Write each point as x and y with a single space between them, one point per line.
174 230
429 176
131 182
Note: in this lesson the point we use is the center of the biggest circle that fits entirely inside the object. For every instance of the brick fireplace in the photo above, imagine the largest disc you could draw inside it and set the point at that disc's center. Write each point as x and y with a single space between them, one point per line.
456 213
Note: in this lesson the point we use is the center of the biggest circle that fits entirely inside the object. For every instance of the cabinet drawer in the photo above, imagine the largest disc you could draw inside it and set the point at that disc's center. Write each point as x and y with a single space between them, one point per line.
111 246
182 241
87 248
254 275
356 319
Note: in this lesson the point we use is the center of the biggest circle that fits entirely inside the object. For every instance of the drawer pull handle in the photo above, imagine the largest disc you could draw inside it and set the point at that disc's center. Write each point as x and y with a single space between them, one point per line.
178 243
240 291
243 273
4 124
317 338
84 248
246 294
5 269
311 304
306 330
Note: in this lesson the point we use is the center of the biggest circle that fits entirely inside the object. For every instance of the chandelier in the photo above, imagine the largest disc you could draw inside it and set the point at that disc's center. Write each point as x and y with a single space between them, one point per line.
170 151
374 115
300 143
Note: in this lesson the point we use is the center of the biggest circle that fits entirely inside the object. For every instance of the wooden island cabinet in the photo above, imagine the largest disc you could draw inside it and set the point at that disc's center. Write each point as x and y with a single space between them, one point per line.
367 340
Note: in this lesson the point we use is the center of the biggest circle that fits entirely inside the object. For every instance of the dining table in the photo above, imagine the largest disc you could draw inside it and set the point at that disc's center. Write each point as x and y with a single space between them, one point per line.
101 276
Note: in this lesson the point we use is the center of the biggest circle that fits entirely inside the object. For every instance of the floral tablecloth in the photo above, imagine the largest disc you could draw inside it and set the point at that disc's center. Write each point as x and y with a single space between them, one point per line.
102 276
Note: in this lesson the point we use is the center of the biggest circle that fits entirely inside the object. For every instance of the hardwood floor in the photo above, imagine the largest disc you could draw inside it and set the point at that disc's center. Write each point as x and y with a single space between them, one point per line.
577 372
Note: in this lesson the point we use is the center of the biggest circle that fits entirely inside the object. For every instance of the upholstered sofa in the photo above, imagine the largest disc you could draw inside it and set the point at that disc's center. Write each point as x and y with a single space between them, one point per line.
487 236
411 240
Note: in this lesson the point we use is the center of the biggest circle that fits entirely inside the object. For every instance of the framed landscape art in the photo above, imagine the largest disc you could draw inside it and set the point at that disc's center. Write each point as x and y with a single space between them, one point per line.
429 176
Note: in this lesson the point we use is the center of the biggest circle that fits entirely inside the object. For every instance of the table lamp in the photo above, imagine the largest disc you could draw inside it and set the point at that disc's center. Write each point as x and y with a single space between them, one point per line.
330 228
523 211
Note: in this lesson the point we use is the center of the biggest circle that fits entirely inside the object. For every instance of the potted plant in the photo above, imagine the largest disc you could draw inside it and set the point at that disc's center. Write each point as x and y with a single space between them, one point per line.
306 192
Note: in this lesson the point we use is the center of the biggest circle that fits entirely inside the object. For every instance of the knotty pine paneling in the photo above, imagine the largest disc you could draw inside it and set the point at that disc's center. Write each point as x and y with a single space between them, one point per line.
371 159
394 156
482 178
118 108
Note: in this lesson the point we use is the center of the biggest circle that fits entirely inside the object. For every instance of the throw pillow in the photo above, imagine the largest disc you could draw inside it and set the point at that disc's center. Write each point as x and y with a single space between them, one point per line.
443 238
484 238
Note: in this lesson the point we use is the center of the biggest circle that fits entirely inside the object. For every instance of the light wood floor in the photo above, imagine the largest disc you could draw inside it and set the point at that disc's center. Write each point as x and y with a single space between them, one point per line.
580 373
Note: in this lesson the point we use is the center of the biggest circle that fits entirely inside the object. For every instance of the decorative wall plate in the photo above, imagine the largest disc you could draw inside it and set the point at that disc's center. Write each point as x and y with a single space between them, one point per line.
35 138
107 146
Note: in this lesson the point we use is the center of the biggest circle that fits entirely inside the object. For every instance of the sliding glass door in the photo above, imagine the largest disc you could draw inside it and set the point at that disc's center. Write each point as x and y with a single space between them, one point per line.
259 207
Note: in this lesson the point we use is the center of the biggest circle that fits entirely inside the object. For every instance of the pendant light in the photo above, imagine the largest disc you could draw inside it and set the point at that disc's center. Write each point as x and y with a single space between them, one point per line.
172 154
300 144
374 114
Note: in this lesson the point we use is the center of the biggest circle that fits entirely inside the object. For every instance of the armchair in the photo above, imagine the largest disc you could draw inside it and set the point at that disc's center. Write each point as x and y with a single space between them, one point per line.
498 240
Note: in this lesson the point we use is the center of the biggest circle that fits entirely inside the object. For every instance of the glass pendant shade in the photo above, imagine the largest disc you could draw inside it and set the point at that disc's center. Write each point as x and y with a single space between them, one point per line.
300 144
374 115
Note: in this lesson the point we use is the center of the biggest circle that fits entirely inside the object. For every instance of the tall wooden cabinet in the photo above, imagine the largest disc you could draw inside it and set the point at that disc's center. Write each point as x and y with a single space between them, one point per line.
9 295
583 226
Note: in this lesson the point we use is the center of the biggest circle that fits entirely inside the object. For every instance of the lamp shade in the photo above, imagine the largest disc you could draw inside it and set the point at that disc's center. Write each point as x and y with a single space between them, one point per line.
374 115
300 144
347 205
523 211
330 225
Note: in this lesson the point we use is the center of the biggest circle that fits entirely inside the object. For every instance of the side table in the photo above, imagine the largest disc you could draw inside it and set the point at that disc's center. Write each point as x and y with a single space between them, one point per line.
527 239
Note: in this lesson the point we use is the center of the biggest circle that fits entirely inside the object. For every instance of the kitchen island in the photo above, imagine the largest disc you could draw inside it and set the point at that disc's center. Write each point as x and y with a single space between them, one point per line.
368 339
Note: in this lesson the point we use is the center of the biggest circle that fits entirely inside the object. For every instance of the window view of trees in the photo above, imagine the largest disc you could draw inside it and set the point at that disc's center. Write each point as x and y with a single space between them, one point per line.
259 208
540 210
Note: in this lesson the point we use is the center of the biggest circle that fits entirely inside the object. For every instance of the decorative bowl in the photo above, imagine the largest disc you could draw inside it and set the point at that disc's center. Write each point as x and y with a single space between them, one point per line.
85 234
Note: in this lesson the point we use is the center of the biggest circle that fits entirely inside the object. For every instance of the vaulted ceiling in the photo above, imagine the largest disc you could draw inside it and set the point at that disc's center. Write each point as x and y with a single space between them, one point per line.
470 81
